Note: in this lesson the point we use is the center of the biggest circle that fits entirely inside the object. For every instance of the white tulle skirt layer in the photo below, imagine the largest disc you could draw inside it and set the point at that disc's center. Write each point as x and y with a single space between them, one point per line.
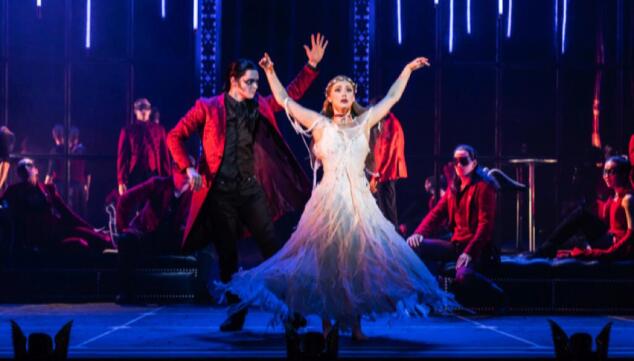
344 260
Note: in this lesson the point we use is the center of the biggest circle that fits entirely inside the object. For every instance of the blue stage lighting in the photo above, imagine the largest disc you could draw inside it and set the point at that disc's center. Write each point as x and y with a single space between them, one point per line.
163 9
88 10
451 26
468 16
195 14
398 22
509 19
563 28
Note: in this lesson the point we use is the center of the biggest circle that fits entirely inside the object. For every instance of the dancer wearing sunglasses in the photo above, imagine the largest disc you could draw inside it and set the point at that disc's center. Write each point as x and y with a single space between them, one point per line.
608 236
469 207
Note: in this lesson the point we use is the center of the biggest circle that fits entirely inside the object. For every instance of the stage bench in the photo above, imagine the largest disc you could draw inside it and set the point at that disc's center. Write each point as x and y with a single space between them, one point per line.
561 285
47 277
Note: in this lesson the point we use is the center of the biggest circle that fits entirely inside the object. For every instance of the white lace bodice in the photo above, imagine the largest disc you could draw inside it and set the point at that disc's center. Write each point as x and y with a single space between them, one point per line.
343 150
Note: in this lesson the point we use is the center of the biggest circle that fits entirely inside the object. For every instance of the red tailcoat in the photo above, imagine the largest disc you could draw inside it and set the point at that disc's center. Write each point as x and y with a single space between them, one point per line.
481 216
142 145
285 184
388 150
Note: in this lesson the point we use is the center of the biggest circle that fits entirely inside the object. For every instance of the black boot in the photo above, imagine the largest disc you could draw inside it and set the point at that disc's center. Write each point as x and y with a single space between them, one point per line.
234 322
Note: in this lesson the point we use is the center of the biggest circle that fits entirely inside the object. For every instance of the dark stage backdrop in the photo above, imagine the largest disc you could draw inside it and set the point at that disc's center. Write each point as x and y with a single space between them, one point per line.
509 97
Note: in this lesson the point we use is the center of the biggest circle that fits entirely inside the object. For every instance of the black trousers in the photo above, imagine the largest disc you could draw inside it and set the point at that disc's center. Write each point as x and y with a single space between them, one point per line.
471 286
228 208
580 220
386 199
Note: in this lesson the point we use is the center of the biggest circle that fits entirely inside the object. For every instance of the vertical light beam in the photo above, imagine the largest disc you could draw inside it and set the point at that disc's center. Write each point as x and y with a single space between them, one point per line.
509 19
195 14
38 3
436 2
451 26
399 30
88 11
556 16
563 27
163 9
468 16
500 7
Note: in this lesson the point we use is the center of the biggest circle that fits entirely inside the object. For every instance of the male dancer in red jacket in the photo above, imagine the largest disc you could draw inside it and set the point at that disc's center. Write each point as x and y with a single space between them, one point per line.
469 207
247 175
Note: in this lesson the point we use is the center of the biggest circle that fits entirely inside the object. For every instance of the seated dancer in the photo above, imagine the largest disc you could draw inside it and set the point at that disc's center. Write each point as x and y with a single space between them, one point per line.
468 207
156 229
608 236
386 164
6 145
41 218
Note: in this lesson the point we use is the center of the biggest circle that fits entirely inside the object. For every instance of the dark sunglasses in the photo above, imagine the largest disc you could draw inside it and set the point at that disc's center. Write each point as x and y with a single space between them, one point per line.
251 81
463 161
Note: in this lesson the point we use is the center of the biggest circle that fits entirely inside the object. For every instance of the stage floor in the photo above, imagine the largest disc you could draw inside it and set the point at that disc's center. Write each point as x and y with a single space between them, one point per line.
104 330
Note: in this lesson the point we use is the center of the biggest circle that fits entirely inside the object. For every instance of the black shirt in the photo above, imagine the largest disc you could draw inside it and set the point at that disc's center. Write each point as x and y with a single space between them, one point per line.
237 161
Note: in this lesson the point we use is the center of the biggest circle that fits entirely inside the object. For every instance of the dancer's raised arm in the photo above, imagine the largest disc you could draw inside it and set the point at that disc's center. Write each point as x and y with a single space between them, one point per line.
382 108
304 116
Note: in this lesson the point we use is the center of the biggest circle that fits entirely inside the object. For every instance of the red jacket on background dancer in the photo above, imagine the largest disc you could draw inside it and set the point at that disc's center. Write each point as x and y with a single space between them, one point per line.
469 208
471 217
142 150
388 150
386 163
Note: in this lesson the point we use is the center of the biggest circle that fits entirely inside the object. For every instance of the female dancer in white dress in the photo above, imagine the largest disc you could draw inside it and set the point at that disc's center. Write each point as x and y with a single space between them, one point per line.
345 259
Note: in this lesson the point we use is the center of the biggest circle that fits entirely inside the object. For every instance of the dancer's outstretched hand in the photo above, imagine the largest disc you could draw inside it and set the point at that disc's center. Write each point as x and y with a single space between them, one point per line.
317 48
266 63
418 63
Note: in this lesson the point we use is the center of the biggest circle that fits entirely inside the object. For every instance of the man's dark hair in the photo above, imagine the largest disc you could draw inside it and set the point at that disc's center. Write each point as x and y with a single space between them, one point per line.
237 69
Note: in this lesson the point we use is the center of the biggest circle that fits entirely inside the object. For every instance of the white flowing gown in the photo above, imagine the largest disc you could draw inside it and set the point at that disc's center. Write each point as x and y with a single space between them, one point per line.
345 259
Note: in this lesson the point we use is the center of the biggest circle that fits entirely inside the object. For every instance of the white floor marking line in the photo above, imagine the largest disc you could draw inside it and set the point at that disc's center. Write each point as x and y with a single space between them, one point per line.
117 328
495 329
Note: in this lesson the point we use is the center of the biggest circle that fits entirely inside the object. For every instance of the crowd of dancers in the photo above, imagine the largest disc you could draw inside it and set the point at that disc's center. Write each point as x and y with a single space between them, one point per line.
347 258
